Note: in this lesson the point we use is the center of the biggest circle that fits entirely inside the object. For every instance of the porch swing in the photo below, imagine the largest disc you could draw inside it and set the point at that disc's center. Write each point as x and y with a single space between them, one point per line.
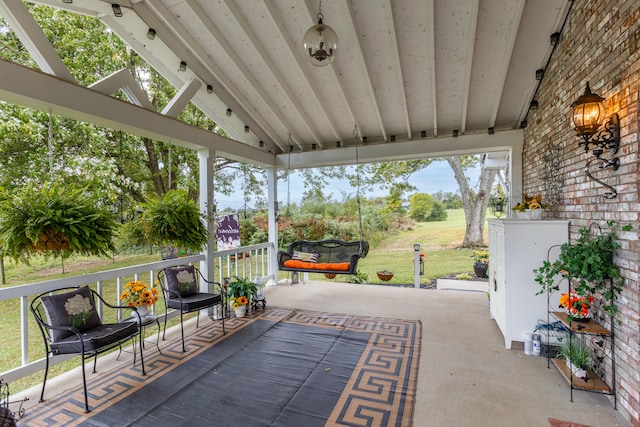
330 256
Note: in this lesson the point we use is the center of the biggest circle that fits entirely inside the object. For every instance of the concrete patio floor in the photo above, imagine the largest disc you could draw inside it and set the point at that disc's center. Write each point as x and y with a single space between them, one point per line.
466 376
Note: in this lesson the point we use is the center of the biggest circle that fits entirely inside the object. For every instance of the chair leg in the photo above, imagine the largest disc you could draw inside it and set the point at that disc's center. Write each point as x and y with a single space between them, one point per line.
164 330
95 361
84 384
46 372
182 333
223 331
141 356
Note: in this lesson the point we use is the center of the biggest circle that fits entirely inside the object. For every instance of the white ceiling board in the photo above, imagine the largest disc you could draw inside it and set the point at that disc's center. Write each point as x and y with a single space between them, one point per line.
402 66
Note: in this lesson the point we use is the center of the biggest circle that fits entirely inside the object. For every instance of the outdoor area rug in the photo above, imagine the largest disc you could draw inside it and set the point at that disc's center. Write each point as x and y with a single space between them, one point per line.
277 367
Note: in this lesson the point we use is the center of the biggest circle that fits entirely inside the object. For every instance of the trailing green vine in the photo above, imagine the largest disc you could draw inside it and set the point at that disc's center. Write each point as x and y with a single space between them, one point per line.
589 262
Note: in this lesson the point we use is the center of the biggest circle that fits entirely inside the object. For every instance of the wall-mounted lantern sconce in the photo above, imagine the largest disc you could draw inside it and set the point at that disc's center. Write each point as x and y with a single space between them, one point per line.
533 105
182 66
246 129
588 117
423 134
261 144
229 111
338 144
455 133
313 146
151 34
209 89
591 125
491 130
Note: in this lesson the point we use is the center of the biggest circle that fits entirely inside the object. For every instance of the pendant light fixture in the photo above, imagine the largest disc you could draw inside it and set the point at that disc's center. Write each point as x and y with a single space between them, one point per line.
320 42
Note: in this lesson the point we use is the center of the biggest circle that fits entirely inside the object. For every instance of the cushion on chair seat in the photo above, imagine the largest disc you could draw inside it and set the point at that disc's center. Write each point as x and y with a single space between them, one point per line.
95 338
194 302
335 266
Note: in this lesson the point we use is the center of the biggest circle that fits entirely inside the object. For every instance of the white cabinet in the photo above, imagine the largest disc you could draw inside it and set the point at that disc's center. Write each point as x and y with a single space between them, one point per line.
516 248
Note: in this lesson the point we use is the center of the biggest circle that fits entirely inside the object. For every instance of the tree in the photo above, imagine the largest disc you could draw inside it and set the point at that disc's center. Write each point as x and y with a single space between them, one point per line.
474 204
420 206
439 213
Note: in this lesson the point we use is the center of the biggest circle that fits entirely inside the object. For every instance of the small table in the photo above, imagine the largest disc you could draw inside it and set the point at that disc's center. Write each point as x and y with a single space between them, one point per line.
149 319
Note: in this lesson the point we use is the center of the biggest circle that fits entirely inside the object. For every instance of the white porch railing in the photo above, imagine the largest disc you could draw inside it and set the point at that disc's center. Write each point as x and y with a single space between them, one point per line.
249 261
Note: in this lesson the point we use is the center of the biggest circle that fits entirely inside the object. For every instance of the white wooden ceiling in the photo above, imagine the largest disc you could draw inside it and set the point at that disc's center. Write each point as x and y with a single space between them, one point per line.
405 70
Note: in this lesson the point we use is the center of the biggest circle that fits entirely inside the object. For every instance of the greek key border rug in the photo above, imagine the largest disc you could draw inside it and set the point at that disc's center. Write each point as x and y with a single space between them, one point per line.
277 367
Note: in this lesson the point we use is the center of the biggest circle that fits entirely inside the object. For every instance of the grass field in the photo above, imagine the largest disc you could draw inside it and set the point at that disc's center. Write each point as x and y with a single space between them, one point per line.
439 242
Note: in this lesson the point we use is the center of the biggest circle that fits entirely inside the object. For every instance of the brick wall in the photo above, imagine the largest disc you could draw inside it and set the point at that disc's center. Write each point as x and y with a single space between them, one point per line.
599 44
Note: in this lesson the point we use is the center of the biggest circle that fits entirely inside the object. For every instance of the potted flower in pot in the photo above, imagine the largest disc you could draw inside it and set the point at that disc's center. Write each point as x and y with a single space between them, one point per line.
481 263
140 295
577 355
240 291
530 208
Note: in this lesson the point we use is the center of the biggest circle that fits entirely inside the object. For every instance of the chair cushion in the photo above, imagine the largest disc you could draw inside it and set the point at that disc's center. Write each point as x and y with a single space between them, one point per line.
332 266
76 308
182 279
195 301
94 339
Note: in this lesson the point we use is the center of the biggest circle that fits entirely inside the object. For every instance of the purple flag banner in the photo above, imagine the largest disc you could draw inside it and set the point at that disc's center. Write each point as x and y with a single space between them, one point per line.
228 232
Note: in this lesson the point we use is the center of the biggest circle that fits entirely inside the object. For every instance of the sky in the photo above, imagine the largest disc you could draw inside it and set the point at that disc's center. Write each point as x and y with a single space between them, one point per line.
437 177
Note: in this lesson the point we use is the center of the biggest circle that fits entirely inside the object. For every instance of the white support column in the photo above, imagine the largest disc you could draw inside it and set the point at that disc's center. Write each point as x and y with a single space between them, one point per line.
207 159
515 177
272 197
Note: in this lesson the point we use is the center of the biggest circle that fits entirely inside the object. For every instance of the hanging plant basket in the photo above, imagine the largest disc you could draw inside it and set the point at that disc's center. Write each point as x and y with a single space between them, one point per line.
52 240
54 219
385 275
330 275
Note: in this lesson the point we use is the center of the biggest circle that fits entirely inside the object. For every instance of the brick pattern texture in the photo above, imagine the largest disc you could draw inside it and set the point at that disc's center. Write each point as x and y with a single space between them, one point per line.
600 44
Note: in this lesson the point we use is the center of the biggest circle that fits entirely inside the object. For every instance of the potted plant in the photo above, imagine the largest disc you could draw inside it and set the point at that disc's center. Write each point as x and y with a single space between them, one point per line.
140 295
530 208
385 275
173 220
481 263
577 355
588 263
54 219
240 291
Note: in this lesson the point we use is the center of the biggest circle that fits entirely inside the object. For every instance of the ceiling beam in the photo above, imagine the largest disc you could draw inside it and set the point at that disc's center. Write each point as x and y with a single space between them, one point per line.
367 75
399 76
431 54
172 35
473 24
123 80
272 69
409 150
34 89
182 98
32 37
506 60
277 20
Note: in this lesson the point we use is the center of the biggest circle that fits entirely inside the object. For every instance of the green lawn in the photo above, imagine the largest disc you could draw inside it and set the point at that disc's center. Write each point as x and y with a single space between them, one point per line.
439 242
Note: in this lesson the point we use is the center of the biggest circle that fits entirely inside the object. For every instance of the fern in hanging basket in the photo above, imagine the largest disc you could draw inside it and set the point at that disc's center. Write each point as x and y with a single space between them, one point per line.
174 220
55 220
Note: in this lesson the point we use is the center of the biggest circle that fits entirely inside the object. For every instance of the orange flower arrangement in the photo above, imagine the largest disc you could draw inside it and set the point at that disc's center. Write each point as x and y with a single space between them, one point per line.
238 301
577 306
138 293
